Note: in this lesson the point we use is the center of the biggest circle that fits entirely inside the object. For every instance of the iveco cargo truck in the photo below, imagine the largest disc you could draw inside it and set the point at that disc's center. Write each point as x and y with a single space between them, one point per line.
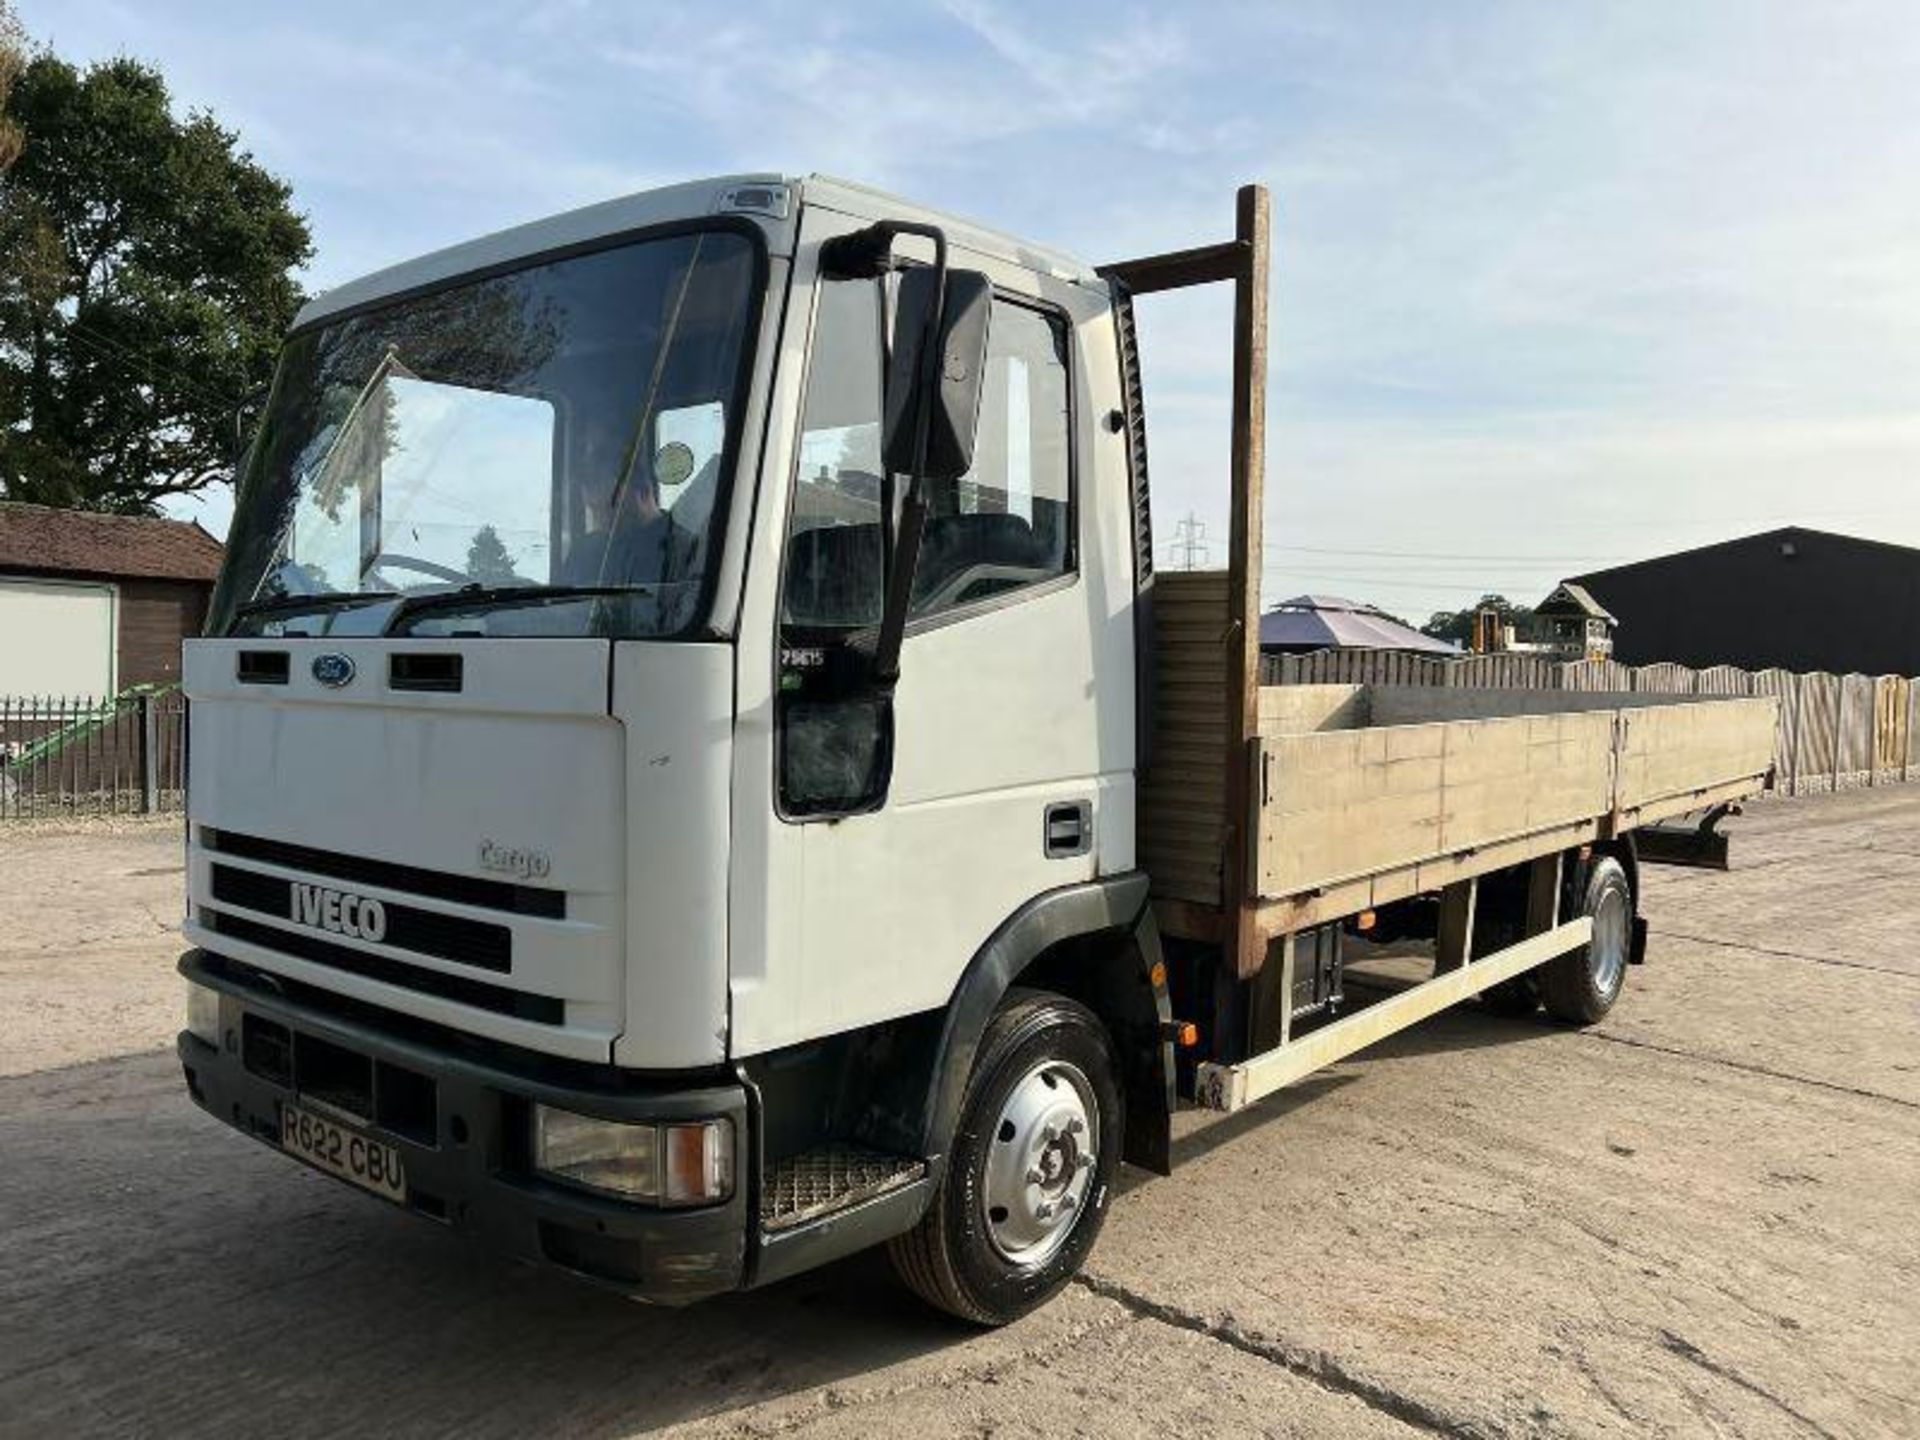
693 772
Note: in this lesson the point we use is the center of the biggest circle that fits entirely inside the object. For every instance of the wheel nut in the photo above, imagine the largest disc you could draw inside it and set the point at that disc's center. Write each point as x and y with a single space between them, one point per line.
1044 1210
1034 1177
1074 1127
1067 1202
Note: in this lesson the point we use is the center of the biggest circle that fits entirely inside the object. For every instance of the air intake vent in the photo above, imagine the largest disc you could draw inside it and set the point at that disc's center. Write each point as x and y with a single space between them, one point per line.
542 1009
262 667
442 672
405 927
462 889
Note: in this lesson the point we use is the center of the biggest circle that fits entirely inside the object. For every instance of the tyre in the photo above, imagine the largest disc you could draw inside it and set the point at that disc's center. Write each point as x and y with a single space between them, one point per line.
1581 986
1030 1170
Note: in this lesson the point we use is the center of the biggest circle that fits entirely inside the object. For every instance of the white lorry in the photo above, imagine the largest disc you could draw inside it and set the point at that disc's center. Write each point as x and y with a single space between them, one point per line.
692 773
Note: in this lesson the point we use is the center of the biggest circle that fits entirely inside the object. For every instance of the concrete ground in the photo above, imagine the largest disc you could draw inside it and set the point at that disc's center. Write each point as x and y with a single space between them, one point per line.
1698 1218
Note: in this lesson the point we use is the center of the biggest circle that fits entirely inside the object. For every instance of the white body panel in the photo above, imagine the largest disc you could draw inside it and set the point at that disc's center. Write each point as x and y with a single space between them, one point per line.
998 713
674 703
525 757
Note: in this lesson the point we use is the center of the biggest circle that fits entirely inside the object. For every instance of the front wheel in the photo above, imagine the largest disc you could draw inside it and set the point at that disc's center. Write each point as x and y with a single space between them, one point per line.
1031 1167
1581 986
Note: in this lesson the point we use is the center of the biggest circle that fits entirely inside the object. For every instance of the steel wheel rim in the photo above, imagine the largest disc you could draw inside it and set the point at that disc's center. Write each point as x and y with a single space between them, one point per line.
1607 951
1041 1155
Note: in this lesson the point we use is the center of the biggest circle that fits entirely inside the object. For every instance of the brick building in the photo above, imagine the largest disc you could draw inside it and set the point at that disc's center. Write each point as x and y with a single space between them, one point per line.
94 604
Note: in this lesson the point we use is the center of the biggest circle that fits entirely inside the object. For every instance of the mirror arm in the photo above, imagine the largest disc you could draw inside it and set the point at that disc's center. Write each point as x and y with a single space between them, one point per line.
868 252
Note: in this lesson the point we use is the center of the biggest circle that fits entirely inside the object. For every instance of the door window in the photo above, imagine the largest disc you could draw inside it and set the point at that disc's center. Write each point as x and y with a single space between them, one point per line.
1008 522
1005 525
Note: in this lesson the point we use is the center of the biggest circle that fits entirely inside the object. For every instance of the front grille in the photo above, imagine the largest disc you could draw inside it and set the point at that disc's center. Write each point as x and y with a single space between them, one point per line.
446 937
437 884
542 1009
392 1096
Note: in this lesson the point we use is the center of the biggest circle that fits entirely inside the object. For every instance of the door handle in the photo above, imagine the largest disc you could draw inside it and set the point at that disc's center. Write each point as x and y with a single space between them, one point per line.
1069 829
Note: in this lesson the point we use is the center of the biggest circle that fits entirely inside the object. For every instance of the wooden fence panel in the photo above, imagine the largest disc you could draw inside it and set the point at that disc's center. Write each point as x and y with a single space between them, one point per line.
1590 676
1891 703
1723 680
1856 717
1502 672
1782 687
1816 749
1910 769
1663 678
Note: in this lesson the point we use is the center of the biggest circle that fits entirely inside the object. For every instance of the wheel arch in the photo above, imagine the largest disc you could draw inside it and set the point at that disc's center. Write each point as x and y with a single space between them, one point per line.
1623 849
1095 943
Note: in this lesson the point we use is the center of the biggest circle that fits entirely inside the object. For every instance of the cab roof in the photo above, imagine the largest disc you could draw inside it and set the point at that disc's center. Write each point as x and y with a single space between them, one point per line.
771 202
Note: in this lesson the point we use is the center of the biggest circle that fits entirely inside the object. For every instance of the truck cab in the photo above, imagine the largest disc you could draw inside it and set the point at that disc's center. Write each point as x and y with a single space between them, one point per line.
626 780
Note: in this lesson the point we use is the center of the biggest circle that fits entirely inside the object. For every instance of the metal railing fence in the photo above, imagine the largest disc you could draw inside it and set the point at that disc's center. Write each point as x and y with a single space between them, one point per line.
66 756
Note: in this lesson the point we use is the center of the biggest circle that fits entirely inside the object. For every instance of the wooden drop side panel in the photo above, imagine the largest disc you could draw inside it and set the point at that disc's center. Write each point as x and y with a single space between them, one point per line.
1671 753
1341 804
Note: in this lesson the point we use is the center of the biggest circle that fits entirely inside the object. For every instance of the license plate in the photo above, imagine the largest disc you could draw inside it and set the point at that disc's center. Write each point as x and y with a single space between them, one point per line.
358 1159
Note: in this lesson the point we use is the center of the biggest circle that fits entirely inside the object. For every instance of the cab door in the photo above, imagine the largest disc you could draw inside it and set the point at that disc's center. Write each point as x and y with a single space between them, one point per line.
897 844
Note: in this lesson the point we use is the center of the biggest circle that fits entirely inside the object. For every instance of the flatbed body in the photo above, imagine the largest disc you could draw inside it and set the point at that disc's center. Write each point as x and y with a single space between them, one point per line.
1360 796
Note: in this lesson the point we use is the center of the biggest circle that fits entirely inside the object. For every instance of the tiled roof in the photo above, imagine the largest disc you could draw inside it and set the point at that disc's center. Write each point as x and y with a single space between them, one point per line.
40 539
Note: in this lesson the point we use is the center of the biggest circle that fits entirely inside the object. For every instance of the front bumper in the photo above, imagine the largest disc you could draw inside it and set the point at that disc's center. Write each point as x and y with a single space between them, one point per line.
463 1135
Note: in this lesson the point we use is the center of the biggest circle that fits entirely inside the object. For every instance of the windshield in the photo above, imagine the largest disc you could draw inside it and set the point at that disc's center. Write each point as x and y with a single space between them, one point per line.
554 440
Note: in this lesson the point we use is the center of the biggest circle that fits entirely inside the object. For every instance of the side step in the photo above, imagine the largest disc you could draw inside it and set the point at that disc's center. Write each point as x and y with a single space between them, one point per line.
816 1183
1232 1087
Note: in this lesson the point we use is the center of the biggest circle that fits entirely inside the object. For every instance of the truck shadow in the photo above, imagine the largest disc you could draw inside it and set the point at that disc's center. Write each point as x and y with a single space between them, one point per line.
1197 1134
159 1273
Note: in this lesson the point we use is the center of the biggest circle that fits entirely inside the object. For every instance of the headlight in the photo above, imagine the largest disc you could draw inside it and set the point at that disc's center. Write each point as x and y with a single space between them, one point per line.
203 1013
661 1164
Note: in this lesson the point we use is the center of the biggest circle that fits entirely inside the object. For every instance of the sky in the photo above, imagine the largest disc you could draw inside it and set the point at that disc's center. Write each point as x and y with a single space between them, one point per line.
1555 286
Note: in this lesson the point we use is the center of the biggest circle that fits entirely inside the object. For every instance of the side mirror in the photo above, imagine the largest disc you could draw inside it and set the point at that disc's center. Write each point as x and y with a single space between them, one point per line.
954 405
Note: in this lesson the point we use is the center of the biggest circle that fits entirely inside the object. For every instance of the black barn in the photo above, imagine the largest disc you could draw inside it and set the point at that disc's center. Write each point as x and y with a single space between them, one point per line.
1799 599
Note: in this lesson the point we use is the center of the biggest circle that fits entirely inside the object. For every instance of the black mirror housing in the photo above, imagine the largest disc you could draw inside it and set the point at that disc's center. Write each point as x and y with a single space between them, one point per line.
954 406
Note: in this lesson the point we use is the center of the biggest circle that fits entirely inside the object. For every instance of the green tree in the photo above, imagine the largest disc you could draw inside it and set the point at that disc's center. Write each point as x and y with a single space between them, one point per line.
1457 625
146 278
13 60
488 560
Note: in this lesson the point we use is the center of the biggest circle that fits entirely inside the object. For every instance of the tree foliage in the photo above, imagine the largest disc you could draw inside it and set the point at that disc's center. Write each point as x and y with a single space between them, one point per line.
13 60
1457 625
488 559
145 283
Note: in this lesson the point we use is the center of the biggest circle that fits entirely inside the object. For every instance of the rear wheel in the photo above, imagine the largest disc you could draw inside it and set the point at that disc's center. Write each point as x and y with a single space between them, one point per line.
1581 986
1031 1166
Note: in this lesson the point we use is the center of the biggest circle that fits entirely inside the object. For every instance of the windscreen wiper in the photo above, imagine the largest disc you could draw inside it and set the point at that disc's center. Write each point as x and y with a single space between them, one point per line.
414 606
296 604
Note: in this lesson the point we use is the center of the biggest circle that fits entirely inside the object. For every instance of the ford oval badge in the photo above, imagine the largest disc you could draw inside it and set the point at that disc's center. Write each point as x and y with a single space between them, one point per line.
332 670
